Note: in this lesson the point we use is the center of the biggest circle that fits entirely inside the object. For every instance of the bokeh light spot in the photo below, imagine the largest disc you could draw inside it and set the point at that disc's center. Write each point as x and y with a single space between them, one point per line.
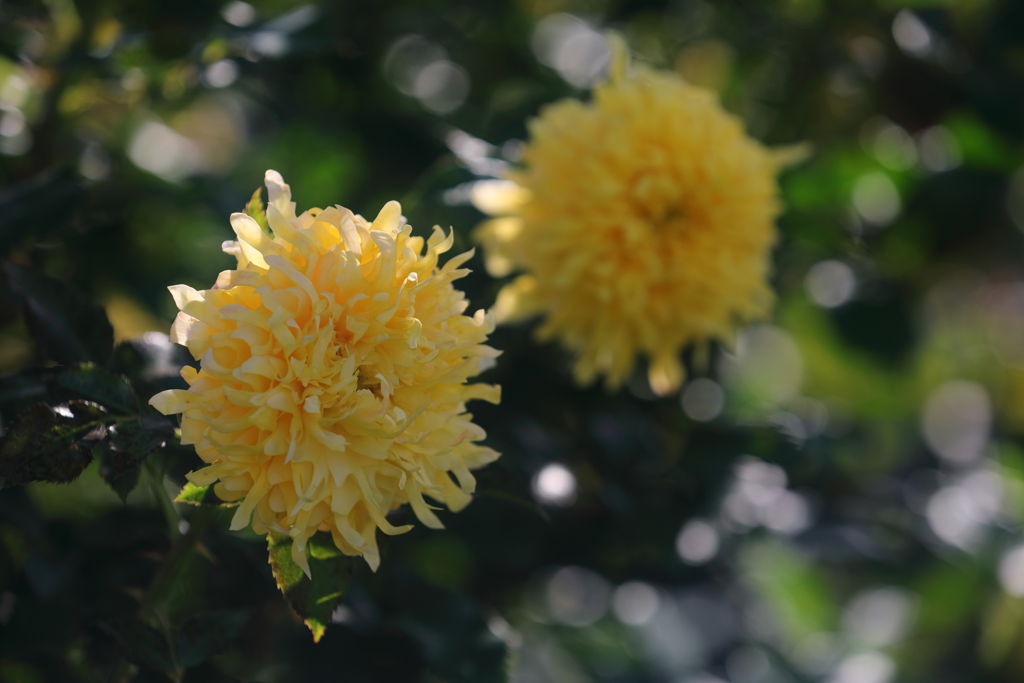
830 283
911 34
956 420
703 399
576 596
697 542
555 485
635 603
876 199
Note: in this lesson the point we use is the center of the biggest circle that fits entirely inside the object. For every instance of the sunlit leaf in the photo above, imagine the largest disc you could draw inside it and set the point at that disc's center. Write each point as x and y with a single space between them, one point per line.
200 495
313 599
255 209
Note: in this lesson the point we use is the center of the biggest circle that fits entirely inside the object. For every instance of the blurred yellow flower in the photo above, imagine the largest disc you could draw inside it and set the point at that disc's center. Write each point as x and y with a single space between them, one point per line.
642 222
332 386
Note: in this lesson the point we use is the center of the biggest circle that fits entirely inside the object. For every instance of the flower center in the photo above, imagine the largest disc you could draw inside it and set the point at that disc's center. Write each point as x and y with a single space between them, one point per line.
669 215
657 200
367 381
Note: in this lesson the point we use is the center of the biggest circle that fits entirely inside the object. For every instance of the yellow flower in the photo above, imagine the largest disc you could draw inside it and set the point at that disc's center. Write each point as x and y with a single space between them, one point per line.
642 222
332 386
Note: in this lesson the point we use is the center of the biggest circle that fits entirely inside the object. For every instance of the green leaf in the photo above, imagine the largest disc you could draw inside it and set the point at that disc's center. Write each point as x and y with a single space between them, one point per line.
37 206
127 447
208 634
140 644
134 440
50 444
313 599
67 327
92 383
122 482
183 589
255 209
201 495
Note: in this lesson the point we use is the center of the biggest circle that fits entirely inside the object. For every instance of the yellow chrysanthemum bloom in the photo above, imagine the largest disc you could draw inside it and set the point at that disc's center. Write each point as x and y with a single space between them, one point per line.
332 387
642 222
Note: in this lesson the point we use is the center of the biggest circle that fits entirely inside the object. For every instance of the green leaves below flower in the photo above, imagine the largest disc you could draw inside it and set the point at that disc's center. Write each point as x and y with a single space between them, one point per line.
312 597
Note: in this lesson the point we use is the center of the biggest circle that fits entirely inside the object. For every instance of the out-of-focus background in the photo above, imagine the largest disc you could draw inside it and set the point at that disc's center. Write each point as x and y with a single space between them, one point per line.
840 499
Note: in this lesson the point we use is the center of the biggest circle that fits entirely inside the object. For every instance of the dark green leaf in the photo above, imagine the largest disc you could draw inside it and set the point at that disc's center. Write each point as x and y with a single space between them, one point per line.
92 383
208 634
37 206
183 590
67 327
140 644
133 441
127 446
313 599
122 482
50 444
200 495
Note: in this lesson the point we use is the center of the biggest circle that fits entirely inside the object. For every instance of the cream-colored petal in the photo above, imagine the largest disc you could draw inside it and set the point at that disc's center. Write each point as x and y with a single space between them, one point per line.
279 194
172 401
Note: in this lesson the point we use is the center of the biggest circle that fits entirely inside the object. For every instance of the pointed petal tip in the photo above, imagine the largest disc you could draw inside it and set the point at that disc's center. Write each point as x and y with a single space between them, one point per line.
170 401
389 218
373 561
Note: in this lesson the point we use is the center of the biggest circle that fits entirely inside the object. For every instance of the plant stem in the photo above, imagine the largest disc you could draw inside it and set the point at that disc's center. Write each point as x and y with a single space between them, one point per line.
156 485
